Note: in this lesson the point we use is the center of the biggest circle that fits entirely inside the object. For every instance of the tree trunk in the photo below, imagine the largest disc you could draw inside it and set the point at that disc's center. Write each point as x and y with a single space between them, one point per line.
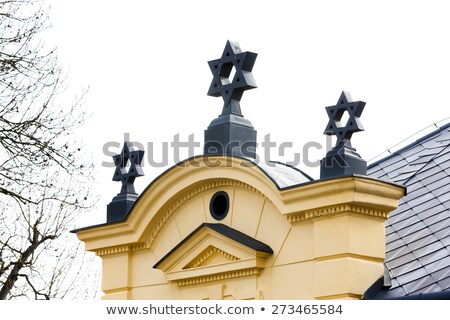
14 274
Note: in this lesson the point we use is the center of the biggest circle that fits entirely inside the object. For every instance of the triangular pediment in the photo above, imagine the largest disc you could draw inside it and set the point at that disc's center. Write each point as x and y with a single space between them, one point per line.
212 252
211 256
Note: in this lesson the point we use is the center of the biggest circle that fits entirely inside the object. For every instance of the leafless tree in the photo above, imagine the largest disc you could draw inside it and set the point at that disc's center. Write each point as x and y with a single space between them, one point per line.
44 177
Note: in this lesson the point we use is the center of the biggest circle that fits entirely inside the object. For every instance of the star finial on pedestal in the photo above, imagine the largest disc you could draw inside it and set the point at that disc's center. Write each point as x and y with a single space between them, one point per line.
335 113
232 76
134 157
342 159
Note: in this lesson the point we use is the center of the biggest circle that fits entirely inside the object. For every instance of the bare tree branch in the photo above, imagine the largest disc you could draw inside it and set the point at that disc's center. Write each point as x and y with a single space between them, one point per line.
45 178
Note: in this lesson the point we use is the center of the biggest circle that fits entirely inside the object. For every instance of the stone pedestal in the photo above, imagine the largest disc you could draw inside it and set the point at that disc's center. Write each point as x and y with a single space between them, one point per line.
230 135
117 210
342 160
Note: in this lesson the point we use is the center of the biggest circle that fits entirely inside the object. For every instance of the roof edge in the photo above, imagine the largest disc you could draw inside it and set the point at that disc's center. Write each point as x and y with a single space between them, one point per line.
181 163
427 136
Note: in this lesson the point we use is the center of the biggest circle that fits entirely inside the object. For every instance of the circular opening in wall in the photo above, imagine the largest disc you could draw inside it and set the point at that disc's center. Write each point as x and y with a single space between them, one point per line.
219 205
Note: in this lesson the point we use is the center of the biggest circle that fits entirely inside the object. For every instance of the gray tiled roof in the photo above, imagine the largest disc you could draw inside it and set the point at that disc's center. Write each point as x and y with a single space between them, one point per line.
418 231
283 175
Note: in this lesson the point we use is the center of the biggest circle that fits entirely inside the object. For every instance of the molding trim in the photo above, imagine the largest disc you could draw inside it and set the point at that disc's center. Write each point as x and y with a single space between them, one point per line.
311 214
112 250
217 277
187 196
208 254
169 212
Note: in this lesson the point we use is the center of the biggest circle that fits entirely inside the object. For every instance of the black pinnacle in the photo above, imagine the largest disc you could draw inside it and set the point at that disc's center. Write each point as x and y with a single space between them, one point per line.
128 175
342 159
344 132
232 88
128 168
231 133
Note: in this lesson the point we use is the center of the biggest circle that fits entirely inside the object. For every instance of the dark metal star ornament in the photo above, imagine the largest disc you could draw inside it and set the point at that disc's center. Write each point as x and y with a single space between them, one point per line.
343 160
345 131
134 156
231 87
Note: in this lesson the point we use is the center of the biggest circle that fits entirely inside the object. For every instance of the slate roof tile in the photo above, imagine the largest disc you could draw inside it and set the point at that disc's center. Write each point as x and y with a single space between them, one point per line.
395 166
441 274
430 248
444 235
391 160
401 251
438 265
434 214
441 159
434 173
416 235
444 283
392 245
415 202
444 196
432 288
398 267
440 225
414 186
418 232
410 227
424 206
429 258
447 204
393 237
442 163
409 154
405 223
422 283
412 276
389 229
422 242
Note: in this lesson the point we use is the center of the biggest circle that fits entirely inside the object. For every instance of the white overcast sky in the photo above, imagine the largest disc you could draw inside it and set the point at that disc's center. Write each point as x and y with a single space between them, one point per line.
145 63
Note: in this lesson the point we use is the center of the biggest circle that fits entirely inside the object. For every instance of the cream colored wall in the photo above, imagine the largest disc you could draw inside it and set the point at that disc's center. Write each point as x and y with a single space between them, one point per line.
327 237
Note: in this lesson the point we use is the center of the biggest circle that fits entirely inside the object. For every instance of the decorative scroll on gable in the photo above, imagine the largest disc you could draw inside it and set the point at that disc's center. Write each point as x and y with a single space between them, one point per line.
213 252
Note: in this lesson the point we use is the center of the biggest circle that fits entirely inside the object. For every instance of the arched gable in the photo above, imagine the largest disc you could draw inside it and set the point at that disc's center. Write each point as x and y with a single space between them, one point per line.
171 247
179 185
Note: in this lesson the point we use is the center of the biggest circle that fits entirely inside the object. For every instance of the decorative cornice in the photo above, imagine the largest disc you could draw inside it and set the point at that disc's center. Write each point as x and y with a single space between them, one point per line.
120 249
208 254
217 277
112 250
321 212
166 216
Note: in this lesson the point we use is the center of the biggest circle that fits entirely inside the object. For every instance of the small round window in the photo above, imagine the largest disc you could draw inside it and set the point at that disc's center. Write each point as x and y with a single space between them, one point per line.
219 205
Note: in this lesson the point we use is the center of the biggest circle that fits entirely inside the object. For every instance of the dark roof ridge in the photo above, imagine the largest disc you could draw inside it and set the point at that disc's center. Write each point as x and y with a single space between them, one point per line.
228 232
397 152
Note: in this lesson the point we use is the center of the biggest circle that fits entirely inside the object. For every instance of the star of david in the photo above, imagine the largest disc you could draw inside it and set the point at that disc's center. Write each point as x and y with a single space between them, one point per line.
134 157
354 109
231 87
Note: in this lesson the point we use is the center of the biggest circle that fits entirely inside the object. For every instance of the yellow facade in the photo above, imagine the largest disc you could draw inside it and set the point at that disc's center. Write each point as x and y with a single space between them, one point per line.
327 237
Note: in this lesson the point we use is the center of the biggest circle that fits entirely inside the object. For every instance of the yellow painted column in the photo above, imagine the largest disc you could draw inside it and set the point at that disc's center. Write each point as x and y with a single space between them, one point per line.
348 216
116 276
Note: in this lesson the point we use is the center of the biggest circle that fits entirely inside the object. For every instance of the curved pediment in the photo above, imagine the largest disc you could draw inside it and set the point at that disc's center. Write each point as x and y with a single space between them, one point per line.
241 211
178 201
185 181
